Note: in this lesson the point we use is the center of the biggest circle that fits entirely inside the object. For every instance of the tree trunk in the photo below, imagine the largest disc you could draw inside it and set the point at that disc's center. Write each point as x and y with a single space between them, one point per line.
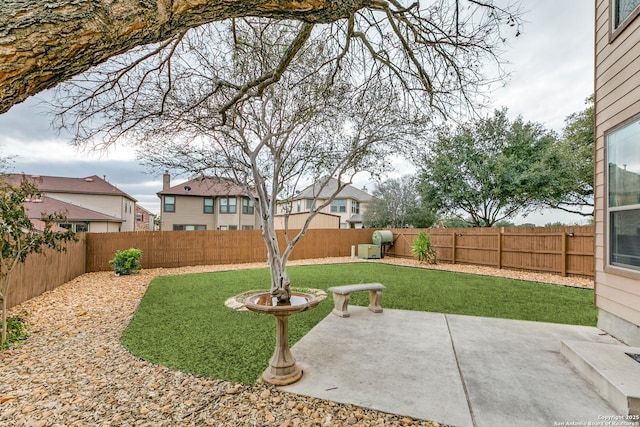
4 321
280 287
44 42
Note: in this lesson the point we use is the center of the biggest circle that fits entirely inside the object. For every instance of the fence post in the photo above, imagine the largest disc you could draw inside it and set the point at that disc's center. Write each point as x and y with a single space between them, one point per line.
564 254
453 249
500 233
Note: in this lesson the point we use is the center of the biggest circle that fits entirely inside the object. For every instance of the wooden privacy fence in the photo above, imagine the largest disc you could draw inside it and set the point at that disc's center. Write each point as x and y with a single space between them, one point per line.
561 250
210 247
46 271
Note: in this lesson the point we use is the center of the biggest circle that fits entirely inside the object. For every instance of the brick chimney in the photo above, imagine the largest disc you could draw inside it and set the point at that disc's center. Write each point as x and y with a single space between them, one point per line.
166 181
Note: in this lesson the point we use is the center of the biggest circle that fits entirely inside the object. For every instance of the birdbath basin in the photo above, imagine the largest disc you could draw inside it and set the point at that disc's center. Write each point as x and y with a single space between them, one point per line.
282 368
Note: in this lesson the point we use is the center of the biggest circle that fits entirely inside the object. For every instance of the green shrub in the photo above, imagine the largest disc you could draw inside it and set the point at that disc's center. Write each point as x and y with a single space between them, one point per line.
16 332
423 250
127 261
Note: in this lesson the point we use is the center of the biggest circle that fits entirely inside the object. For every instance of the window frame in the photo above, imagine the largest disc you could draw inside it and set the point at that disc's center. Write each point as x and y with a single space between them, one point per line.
225 202
212 207
248 206
310 204
165 204
620 269
339 206
615 31
189 227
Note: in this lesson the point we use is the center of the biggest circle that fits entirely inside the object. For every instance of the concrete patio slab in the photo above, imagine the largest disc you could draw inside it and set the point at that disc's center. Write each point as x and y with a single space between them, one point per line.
396 361
455 370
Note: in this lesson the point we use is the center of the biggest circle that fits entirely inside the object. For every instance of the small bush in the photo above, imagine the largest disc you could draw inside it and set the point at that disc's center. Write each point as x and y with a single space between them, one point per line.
127 261
16 332
423 250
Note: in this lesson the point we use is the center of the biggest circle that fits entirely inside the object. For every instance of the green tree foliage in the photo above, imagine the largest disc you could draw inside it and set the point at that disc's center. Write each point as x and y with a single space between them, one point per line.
491 169
398 204
454 222
575 148
20 237
504 223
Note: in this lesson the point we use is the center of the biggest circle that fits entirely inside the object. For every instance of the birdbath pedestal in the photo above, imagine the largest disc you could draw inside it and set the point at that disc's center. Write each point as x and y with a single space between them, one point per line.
282 368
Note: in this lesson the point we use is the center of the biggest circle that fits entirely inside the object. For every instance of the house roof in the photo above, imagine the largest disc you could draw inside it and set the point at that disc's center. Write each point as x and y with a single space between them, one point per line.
348 192
44 206
58 184
40 226
143 210
204 187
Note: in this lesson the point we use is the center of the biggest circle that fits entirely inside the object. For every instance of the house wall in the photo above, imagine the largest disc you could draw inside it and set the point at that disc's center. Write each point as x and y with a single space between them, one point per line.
299 206
190 211
103 227
617 100
146 220
116 206
296 221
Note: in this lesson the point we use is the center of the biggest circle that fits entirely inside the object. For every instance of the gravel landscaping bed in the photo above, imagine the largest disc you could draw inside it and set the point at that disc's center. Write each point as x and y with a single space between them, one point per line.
73 371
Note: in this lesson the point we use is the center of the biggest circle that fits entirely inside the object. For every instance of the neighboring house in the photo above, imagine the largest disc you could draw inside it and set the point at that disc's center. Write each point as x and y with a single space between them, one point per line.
349 204
617 167
145 220
206 204
78 219
92 193
295 221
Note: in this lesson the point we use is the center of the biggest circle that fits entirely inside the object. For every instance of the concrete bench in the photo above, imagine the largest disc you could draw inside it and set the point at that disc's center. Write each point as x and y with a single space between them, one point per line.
341 297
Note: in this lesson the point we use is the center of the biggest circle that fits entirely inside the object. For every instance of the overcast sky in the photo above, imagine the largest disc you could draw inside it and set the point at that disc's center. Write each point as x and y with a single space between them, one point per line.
551 66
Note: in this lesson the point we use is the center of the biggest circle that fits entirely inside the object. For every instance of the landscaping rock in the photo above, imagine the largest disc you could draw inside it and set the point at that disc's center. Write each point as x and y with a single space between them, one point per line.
73 371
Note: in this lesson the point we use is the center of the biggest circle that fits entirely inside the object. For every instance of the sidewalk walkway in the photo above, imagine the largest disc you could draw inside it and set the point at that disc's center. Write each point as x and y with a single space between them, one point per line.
455 370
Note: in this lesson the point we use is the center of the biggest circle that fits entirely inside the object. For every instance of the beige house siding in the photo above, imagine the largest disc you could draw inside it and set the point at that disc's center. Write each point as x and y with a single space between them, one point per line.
617 101
300 206
296 221
104 227
190 211
116 206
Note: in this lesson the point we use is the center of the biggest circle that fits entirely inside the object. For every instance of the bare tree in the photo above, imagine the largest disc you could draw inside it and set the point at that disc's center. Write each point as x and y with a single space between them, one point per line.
434 54
43 43
303 128
278 100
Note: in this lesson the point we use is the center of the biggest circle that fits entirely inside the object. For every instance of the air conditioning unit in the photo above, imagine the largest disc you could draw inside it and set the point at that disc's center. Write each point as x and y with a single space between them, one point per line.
369 251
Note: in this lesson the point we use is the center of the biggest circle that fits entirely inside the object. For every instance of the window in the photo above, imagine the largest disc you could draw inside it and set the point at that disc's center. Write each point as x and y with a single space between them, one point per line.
207 205
139 217
338 206
169 203
233 227
247 206
188 227
247 227
78 227
355 207
299 206
623 158
227 205
622 9
310 204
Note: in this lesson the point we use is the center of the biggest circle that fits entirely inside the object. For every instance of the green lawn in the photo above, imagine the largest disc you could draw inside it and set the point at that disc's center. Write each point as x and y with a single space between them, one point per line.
182 321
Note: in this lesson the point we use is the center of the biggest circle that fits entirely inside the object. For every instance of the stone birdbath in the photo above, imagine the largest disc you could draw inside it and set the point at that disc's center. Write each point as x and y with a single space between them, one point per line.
282 368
